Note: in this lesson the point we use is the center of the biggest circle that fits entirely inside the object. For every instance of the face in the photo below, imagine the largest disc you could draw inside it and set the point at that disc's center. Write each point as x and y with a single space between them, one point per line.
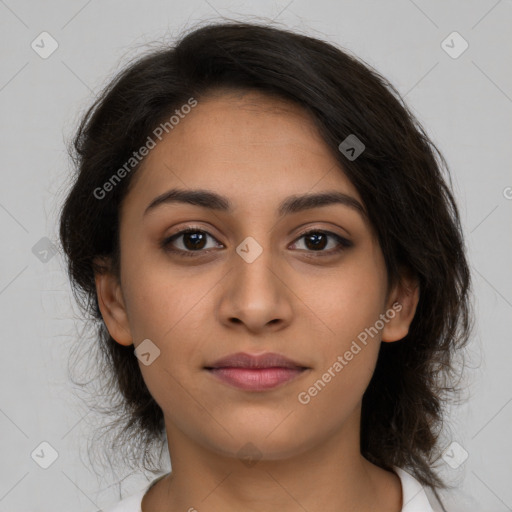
247 279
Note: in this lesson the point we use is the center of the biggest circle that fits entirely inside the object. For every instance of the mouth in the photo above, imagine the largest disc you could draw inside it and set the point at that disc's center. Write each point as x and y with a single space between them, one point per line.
256 372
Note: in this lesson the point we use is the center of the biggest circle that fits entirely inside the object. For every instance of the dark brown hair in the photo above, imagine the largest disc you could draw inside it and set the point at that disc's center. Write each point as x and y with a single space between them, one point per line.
399 177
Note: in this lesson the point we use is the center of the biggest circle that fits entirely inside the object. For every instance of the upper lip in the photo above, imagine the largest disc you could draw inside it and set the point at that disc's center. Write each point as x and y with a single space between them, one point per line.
244 360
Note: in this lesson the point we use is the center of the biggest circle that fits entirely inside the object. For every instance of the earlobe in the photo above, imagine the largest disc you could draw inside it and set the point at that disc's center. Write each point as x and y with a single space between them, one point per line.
112 306
401 308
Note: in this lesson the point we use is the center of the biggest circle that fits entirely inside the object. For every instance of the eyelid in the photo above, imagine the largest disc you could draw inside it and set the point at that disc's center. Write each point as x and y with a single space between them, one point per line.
328 231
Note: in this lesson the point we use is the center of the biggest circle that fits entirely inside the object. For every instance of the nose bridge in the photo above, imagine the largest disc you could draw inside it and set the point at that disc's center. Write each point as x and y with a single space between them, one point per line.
254 266
256 294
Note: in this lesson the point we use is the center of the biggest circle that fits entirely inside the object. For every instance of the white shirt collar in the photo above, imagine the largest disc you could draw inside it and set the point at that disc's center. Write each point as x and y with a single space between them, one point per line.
414 498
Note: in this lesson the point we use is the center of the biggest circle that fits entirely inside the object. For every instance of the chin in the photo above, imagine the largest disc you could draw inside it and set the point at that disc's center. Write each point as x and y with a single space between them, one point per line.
254 445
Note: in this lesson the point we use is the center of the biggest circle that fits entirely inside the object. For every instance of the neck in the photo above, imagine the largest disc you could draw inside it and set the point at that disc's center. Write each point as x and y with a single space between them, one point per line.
331 476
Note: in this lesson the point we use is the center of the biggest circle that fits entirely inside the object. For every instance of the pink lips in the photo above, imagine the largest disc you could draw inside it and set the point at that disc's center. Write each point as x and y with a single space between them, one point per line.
255 372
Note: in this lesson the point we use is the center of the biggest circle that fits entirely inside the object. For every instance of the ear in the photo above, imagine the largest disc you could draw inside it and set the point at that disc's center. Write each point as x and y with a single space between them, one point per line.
111 304
402 300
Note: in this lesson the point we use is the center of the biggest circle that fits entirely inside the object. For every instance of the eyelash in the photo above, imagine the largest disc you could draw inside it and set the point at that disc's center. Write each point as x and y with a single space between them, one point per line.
165 243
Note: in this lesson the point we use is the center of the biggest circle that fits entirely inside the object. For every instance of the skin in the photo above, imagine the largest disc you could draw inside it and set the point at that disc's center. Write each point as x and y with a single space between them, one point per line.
256 151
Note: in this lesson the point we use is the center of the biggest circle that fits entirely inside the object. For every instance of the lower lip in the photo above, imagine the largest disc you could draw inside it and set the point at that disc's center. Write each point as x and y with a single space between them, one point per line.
256 379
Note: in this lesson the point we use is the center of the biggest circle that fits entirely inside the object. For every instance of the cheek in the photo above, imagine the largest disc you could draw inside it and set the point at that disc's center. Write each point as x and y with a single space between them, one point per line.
344 303
160 296
174 321
174 312
346 308
350 305
168 318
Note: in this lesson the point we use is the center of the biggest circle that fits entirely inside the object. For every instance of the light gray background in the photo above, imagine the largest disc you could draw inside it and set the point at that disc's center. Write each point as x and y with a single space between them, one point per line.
465 103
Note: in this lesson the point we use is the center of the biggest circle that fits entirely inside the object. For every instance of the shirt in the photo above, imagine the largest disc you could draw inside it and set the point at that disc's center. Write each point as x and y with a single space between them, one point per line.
414 498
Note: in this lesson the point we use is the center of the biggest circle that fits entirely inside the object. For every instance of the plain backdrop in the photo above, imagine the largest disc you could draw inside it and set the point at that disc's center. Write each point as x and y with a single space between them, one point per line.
463 98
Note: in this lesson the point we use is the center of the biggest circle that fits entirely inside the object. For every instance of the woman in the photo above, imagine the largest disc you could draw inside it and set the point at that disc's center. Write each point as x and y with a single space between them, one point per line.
264 232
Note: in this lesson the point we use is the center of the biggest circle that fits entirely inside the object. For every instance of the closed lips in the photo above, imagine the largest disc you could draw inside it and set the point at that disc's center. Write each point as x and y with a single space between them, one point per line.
260 361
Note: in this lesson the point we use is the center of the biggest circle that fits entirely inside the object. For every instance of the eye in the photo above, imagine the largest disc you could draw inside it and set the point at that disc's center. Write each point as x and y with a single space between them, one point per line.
317 240
194 240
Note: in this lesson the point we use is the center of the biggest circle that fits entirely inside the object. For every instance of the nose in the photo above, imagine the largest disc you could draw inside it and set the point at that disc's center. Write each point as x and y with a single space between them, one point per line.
255 295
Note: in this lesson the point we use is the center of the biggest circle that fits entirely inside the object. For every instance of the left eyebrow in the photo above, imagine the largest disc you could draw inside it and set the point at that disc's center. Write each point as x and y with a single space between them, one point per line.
291 204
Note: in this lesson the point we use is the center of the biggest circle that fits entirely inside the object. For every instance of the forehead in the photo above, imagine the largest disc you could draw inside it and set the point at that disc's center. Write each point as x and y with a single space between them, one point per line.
250 147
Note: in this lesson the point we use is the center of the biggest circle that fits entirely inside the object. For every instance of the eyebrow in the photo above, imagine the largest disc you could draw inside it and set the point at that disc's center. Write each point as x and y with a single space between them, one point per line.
291 204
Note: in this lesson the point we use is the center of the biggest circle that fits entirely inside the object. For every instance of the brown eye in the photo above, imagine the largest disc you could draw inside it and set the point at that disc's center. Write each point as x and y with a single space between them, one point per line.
317 240
193 241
